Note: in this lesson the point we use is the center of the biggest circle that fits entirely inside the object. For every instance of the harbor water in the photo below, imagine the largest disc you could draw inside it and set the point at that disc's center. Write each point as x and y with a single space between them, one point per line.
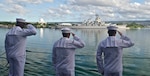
136 60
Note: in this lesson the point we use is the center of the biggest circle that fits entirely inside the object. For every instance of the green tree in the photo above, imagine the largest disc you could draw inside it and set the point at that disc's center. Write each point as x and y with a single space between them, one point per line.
134 25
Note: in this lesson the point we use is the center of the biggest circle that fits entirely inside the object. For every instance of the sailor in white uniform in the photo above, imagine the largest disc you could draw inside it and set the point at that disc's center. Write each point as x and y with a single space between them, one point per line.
15 44
63 55
109 53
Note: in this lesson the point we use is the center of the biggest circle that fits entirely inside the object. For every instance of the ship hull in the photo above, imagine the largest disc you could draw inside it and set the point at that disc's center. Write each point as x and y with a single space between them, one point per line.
89 27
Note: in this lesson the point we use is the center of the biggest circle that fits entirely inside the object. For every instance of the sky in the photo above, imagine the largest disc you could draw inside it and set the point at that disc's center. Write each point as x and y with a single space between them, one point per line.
74 10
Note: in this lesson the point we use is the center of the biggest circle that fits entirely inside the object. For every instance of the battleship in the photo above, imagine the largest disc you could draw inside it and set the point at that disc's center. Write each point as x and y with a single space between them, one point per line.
97 23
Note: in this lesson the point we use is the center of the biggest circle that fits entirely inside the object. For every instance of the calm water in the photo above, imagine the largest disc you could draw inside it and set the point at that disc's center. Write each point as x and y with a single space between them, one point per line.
136 60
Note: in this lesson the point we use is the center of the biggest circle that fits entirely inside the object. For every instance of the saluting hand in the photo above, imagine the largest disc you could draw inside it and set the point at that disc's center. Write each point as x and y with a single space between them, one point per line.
73 34
119 33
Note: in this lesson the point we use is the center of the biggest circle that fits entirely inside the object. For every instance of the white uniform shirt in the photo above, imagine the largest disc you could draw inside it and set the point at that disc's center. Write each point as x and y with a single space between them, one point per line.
63 56
15 41
112 48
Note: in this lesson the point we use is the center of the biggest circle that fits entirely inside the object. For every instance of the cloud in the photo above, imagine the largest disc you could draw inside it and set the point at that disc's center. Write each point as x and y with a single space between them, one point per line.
19 6
63 12
15 8
1 5
111 9
28 1
78 10
84 9
135 11
34 2
102 3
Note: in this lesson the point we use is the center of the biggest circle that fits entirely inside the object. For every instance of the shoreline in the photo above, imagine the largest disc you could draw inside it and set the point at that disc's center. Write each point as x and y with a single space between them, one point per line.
55 27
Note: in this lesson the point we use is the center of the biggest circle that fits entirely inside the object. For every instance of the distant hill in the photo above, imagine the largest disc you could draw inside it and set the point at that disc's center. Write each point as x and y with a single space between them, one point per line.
145 23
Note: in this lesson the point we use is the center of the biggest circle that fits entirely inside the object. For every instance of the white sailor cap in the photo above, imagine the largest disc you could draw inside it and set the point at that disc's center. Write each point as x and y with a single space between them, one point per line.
66 30
20 20
112 27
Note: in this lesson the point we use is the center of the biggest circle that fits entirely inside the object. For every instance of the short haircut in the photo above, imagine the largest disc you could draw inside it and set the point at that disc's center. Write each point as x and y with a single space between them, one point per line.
112 32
